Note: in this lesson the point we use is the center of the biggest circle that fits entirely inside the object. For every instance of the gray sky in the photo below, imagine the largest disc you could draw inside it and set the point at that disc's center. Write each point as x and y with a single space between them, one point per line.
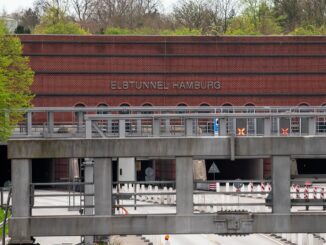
13 5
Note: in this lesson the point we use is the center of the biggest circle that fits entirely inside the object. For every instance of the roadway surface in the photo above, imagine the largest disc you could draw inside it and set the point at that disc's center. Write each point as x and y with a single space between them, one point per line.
174 239
221 240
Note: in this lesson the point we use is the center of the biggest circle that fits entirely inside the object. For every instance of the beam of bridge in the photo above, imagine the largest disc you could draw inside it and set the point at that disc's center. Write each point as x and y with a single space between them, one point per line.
169 224
196 147
184 150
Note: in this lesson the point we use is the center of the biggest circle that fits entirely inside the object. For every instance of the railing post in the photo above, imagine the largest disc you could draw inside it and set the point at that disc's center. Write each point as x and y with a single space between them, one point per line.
21 176
109 126
184 182
267 126
156 127
189 126
50 122
29 123
88 125
222 125
80 119
281 174
312 126
138 127
122 128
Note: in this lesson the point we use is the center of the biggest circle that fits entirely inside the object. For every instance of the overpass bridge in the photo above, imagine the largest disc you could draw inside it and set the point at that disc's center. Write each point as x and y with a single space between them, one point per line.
185 134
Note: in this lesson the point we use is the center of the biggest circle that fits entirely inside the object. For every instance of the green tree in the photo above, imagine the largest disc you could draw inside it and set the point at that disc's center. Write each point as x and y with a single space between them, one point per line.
56 22
16 78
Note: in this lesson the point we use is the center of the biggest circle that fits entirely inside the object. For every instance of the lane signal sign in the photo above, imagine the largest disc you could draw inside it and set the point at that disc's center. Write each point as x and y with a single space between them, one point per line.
241 131
285 131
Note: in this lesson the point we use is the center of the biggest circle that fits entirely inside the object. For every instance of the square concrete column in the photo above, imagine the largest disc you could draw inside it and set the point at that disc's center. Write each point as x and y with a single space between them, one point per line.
103 186
184 182
21 177
281 169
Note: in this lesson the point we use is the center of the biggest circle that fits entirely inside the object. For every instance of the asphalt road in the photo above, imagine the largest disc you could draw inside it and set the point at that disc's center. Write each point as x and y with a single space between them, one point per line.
221 240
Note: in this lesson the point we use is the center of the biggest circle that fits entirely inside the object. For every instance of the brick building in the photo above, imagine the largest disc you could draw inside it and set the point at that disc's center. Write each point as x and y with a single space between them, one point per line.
171 71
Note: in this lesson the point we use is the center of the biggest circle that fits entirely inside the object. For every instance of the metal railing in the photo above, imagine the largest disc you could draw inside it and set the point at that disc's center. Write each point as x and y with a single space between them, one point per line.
90 122
233 195
144 194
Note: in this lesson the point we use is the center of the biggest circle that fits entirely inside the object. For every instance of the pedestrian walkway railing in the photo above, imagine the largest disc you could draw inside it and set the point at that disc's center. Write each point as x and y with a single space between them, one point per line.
108 122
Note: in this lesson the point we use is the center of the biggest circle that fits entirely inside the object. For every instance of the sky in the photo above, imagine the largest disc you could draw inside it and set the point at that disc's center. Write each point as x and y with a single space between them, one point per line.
13 5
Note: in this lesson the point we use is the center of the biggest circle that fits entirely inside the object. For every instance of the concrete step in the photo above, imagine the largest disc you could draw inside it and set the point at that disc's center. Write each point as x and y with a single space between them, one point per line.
128 240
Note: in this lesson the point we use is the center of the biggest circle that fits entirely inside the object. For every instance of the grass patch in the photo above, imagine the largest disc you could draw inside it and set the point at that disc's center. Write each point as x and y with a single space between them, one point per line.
2 216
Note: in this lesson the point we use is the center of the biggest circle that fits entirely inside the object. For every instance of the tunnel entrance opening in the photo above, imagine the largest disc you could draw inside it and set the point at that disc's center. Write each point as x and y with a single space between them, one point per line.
311 166
238 169
42 170
5 169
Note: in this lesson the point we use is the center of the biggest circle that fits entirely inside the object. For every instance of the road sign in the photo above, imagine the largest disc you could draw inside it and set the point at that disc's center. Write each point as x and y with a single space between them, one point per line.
238 184
213 169
216 126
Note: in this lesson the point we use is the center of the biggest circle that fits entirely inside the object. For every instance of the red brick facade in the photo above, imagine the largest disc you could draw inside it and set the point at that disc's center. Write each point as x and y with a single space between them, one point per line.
167 71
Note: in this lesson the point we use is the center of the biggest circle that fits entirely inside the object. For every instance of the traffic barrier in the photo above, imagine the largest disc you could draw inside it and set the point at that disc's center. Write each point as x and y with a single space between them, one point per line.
156 197
165 199
315 192
297 191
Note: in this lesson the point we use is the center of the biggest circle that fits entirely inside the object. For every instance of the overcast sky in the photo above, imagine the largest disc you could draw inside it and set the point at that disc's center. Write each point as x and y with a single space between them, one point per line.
13 5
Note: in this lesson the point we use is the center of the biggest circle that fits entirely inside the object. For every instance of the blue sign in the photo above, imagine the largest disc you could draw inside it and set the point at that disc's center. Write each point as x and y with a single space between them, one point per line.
216 126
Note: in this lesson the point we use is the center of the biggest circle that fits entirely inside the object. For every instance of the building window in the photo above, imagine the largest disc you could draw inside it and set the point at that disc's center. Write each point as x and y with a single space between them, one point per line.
104 111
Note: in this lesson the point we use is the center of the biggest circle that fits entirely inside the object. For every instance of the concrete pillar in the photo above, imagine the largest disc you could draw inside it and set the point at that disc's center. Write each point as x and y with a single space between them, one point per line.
156 127
312 126
122 128
21 177
50 122
89 189
267 126
29 123
103 186
281 184
184 183
189 127
223 129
